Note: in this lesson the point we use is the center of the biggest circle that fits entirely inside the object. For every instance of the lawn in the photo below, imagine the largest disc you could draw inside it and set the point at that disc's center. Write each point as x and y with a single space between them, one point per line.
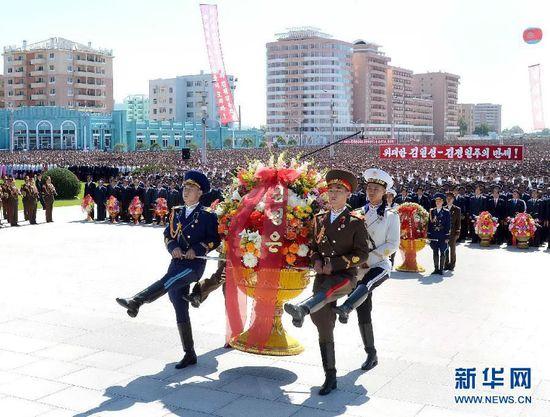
57 203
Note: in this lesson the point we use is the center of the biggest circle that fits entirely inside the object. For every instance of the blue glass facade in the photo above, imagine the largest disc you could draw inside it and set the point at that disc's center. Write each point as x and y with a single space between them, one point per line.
59 128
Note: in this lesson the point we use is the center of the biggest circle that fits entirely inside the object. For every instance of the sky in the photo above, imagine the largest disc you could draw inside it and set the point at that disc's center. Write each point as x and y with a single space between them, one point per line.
480 40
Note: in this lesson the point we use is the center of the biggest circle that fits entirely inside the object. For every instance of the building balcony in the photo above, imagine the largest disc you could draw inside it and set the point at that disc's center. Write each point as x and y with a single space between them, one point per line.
18 86
19 98
38 97
89 74
38 73
89 86
38 61
38 85
88 97
16 74
86 62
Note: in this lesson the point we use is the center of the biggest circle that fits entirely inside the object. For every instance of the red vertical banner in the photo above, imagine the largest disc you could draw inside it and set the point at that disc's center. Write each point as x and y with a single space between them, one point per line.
224 96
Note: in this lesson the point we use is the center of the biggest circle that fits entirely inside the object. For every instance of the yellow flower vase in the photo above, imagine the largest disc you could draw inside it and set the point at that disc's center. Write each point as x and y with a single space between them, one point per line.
279 343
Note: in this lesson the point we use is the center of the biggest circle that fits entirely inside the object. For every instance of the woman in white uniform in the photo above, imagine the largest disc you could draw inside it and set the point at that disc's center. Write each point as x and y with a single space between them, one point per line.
383 229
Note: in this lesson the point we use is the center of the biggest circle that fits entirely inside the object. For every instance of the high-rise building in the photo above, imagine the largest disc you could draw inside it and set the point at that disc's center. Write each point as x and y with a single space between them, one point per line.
466 114
488 114
137 107
442 88
1 91
183 98
370 101
309 86
59 72
411 117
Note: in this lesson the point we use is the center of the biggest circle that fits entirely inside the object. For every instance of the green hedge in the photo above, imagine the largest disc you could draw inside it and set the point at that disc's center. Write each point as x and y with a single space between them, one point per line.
65 182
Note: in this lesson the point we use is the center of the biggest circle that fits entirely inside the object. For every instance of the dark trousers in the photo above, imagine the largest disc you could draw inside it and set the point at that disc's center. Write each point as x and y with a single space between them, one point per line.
101 211
450 260
49 209
176 281
31 211
13 211
472 231
372 279
463 227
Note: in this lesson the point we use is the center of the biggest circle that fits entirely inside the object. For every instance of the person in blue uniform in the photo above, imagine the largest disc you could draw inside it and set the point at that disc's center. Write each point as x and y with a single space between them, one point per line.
192 232
439 229
477 205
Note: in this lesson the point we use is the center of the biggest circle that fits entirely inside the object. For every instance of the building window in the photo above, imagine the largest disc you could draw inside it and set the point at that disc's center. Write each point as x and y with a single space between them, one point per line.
10 70
52 103
170 110
170 90
177 141
69 68
52 55
52 67
52 79
52 91
189 115
165 141
189 84
70 92
69 80
189 94
154 111
170 100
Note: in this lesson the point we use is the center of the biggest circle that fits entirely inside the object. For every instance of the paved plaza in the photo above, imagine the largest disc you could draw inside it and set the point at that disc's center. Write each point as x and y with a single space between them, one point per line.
67 349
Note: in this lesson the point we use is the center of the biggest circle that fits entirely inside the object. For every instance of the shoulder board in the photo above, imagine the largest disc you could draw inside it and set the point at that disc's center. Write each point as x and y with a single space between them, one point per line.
207 209
321 213
178 207
358 214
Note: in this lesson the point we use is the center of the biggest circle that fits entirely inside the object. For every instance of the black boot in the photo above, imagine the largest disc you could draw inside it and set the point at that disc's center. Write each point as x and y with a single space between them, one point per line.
436 263
194 297
311 305
354 300
441 263
186 336
367 335
329 365
148 295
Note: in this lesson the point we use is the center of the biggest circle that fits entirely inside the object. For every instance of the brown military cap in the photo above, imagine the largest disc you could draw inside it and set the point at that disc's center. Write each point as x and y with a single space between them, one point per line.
342 177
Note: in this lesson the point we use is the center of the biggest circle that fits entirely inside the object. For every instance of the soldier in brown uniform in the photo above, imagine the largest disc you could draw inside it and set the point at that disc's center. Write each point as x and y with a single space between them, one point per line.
49 194
32 195
339 245
455 211
25 197
13 199
4 198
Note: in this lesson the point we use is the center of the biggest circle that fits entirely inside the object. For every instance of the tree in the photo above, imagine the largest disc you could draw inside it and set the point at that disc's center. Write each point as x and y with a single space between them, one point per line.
193 146
65 182
228 142
463 126
482 130
171 147
154 147
119 147
248 142
292 142
516 130
140 146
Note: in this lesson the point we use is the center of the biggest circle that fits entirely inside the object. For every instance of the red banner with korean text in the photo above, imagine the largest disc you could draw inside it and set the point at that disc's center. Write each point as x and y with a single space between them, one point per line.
224 96
453 152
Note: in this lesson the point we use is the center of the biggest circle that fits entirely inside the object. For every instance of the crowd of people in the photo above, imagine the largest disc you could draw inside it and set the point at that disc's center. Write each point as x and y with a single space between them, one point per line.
477 185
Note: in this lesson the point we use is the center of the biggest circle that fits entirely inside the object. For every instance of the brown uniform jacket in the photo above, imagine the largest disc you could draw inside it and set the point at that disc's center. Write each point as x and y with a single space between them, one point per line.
455 222
342 243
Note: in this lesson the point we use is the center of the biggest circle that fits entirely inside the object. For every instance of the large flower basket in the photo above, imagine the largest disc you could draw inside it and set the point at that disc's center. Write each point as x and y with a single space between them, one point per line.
522 227
113 208
161 209
135 209
265 223
485 227
87 206
414 222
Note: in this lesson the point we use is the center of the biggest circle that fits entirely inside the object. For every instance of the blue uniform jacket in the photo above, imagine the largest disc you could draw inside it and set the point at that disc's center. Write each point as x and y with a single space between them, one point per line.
439 226
198 231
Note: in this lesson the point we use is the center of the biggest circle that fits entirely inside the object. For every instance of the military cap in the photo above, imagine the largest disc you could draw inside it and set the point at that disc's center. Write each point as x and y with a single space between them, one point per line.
378 176
342 177
198 179
439 195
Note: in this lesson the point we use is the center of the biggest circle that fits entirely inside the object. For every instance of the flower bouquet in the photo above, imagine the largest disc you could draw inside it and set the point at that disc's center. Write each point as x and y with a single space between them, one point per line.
161 209
88 207
113 208
485 227
265 223
414 229
523 228
136 209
